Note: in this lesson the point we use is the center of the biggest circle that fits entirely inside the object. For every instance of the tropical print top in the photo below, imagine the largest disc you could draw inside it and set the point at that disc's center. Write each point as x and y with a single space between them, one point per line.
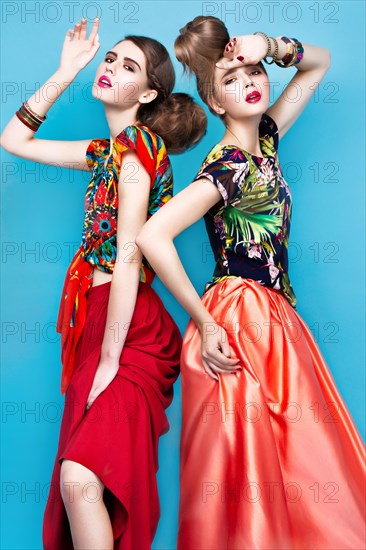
249 227
101 198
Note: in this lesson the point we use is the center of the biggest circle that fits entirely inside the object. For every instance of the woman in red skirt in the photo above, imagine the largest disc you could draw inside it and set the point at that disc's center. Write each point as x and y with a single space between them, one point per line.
270 455
120 346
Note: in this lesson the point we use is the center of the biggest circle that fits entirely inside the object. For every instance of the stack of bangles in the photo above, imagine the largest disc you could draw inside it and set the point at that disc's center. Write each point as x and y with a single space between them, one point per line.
294 54
29 117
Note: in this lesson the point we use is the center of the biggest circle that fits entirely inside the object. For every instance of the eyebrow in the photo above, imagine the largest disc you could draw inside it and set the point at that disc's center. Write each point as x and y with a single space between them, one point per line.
125 58
230 71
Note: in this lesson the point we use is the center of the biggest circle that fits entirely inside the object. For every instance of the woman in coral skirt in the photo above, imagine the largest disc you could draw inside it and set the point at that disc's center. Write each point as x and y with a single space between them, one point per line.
270 455
120 346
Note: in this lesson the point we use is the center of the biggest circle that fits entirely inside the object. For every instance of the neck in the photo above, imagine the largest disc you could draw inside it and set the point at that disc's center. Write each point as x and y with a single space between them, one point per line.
118 120
246 134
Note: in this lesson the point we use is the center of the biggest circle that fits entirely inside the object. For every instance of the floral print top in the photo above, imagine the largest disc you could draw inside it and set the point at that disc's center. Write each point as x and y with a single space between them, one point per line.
249 227
101 198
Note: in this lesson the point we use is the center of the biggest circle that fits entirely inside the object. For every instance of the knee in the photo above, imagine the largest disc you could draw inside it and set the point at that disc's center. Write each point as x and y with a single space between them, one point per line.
78 484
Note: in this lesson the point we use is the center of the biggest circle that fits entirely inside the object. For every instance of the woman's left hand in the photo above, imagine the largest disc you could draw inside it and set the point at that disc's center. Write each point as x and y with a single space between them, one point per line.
106 371
251 47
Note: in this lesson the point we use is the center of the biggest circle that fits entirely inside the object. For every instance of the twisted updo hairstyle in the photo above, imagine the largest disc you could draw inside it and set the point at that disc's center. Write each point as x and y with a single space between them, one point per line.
200 44
176 117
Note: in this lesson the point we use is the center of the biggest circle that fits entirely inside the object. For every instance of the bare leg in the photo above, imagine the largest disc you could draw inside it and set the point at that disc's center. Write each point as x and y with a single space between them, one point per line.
82 493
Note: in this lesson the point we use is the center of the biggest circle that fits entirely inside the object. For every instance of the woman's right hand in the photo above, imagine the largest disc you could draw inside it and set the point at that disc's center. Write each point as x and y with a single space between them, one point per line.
78 50
215 351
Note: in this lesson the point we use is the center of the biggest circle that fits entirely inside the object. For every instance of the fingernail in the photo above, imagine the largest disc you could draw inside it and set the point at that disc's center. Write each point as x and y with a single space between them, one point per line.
234 39
240 57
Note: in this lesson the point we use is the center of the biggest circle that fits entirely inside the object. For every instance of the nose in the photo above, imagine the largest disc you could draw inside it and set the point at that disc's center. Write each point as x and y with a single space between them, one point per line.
109 68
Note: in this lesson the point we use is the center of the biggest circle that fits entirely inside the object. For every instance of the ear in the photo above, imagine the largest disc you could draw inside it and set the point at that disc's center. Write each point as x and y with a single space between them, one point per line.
215 106
148 96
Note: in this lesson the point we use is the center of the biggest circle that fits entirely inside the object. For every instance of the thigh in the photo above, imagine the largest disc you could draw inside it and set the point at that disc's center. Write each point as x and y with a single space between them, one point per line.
77 478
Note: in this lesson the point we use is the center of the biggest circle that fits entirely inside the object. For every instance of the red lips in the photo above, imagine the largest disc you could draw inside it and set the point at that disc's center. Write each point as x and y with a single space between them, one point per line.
253 96
104 81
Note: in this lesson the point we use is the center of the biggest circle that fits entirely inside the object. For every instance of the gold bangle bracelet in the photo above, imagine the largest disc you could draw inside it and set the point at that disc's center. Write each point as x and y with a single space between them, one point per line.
291 62
29 123
28 118
38 117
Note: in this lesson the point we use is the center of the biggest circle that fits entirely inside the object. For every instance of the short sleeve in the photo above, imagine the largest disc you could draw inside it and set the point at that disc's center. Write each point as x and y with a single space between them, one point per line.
151 150
268 128
144 142
222 174
91 152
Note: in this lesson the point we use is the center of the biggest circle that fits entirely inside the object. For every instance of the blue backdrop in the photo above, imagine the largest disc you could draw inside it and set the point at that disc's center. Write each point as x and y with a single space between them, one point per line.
322 157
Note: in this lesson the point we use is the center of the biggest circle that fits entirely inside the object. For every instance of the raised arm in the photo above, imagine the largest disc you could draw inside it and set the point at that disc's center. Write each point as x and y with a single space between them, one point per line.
298 92
156 243
19 140
311 69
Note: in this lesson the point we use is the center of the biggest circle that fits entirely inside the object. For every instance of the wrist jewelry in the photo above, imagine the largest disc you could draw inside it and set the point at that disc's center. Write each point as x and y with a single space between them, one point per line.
269 48
295 52
31 119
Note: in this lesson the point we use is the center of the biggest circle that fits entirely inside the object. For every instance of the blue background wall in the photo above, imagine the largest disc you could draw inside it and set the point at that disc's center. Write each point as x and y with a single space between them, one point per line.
322 157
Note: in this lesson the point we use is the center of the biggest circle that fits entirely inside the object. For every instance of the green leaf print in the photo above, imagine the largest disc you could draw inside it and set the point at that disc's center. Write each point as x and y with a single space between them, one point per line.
251 226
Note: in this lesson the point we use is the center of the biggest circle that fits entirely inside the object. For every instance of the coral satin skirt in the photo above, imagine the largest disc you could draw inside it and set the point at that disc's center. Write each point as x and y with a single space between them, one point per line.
270 456
117 438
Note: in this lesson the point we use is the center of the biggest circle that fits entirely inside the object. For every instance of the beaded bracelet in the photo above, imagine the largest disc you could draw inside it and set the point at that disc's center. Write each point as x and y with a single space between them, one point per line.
269 48
294 54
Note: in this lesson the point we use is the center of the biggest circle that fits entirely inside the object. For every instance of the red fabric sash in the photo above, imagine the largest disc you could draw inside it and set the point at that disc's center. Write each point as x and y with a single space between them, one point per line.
72 312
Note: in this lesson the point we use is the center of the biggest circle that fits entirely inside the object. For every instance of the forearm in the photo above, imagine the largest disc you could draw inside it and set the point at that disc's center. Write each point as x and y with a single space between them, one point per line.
121 306
168 267
15 132
314 56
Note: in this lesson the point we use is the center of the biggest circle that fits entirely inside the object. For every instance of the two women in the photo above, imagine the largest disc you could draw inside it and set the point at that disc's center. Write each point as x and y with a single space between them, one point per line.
251 477
270 455
120 346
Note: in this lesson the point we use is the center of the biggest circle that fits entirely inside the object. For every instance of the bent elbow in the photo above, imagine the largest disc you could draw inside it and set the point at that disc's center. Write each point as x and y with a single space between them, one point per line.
141 240
328 58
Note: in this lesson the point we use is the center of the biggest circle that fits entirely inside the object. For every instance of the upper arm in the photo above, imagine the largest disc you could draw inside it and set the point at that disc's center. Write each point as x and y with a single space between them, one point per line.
294 98
183 210
66 154
133 199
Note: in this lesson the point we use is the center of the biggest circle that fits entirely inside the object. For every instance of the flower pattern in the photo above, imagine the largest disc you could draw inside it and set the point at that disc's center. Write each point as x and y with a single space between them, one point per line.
249 227
101 198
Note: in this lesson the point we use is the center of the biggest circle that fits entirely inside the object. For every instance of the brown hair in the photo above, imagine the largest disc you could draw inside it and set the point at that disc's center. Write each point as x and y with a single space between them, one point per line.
175 117
200 44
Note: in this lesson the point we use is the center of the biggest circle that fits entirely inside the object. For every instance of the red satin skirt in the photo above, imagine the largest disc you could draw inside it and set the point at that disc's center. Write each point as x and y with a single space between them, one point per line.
270 456
117 438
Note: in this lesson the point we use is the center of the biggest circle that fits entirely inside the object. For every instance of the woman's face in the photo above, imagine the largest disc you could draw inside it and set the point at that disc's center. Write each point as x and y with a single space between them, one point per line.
121 79
233 86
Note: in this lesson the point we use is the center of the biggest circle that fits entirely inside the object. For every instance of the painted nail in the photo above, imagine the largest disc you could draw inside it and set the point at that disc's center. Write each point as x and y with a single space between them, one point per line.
240 57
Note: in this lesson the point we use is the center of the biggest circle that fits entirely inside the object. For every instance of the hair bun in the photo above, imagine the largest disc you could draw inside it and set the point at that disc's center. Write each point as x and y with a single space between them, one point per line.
181 122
